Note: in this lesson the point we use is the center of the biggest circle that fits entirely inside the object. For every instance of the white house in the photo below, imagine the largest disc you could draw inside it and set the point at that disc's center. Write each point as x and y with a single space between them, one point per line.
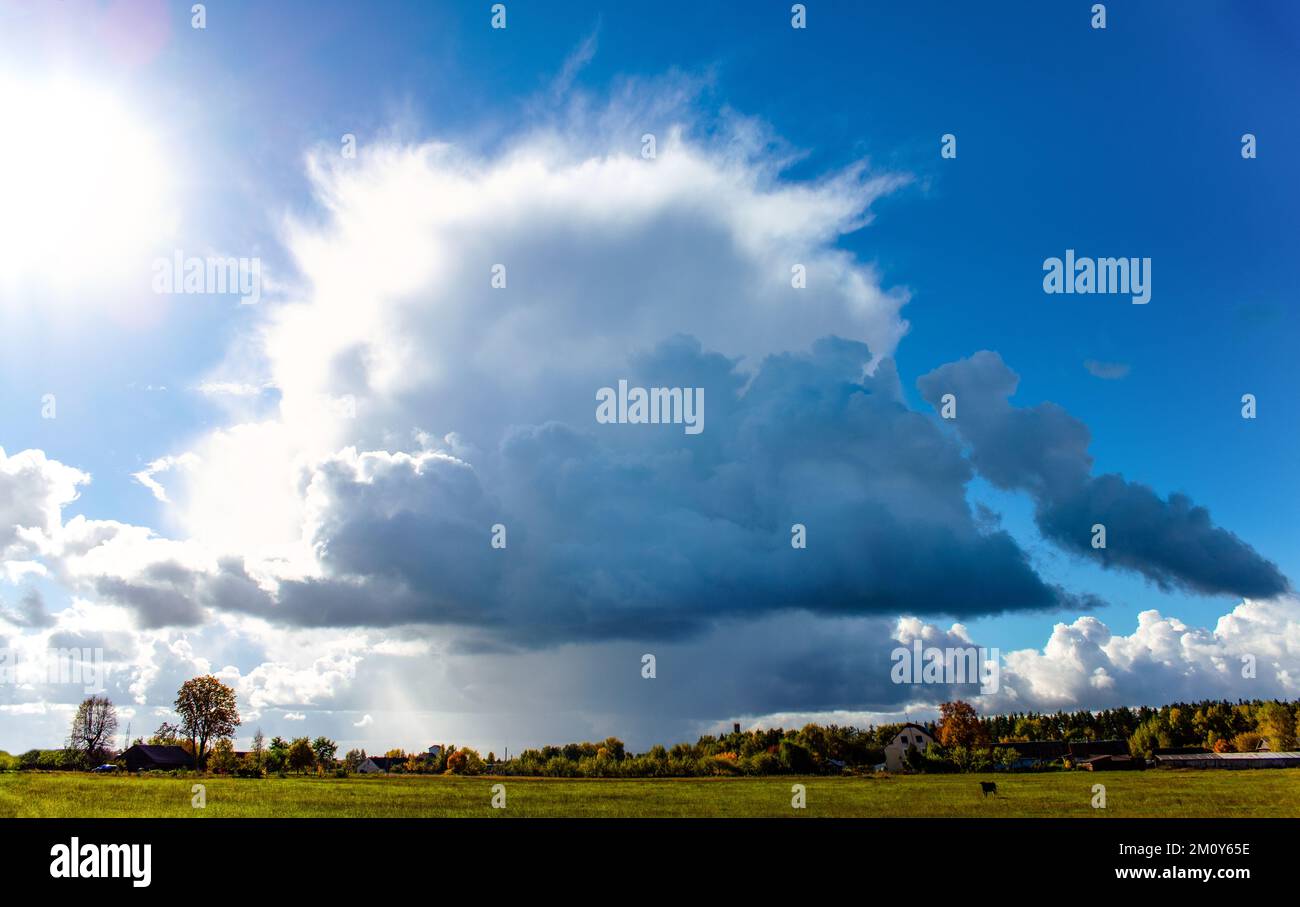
909 735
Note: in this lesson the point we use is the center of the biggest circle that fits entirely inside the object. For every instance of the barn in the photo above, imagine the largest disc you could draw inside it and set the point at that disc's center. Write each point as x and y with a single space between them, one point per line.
143 758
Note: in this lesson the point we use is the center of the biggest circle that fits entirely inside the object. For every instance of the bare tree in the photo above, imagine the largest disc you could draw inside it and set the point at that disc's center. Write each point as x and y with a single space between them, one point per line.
92 731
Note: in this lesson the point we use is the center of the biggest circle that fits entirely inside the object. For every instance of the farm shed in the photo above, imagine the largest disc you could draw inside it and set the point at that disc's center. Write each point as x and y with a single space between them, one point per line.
1263 759
1110 763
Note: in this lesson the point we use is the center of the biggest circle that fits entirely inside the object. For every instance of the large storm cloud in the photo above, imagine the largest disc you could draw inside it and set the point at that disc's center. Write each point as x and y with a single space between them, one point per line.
642 531
330 545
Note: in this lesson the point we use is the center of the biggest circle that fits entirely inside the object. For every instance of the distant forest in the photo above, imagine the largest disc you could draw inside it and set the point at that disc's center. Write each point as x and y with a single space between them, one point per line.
963 735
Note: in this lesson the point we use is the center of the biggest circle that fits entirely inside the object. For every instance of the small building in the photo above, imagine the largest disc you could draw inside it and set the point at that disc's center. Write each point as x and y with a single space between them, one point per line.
1256 759
909 735
368 767
1110 763
145 758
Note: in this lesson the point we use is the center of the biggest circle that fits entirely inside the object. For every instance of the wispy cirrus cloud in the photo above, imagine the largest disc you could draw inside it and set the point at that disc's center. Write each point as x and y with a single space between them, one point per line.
1107 371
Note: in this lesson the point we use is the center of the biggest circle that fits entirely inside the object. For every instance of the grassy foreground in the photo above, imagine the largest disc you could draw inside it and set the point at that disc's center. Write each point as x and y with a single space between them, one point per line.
1272 792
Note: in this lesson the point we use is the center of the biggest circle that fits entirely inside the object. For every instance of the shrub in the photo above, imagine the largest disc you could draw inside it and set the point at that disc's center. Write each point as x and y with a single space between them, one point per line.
969 759
597 767
1004 758
465 762
222 760
1247 742
559 767
933 762
53 760
249 767
724 764
796 758
762 764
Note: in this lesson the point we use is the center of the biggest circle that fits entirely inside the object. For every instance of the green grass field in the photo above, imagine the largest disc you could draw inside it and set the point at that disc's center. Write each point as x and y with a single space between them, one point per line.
1136 794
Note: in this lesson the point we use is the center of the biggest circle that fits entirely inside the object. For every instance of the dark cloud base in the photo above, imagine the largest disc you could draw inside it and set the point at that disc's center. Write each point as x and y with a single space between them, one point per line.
645 532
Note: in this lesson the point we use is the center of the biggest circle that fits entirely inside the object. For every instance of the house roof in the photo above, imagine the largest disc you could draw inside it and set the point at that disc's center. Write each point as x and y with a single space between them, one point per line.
161 755
917 727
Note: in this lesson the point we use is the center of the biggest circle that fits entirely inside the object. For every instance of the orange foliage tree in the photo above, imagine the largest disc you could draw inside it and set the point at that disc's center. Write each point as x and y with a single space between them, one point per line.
959 725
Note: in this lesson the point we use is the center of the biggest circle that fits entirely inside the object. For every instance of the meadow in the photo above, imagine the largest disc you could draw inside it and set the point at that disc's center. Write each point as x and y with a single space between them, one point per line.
1158 793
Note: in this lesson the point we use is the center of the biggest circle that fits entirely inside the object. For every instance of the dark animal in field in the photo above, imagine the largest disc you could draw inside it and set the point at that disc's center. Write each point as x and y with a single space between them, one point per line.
989 787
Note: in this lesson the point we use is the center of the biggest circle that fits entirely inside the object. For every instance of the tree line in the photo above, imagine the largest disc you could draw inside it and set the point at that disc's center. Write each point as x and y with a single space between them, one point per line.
1212 724
207 717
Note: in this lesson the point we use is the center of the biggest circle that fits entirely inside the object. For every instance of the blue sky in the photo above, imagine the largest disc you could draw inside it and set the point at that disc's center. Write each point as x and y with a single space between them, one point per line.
1117 142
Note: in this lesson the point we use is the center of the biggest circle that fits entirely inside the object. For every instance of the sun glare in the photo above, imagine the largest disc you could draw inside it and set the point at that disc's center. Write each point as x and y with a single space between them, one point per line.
84 188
